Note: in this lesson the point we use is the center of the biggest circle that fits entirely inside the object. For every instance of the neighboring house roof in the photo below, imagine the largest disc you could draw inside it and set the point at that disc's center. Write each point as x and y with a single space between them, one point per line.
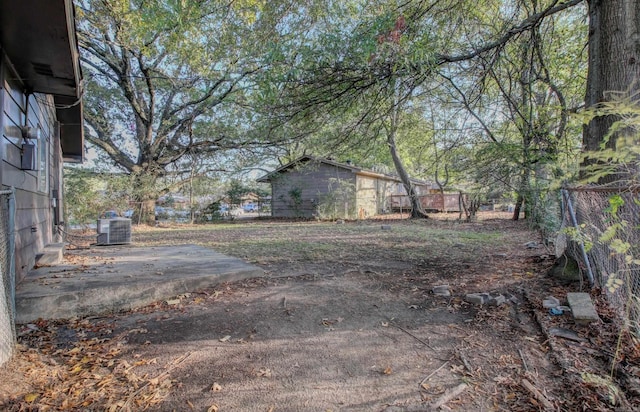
39 37
347 166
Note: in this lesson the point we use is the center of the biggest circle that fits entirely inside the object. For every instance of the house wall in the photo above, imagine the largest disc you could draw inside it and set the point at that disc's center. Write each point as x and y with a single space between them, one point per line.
34 223
312 181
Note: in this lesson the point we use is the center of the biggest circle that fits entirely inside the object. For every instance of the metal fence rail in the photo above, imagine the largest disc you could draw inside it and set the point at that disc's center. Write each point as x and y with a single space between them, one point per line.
605 225
7 270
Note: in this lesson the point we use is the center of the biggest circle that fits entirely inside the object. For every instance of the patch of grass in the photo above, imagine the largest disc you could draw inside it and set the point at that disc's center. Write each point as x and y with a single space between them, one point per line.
273 242
273 249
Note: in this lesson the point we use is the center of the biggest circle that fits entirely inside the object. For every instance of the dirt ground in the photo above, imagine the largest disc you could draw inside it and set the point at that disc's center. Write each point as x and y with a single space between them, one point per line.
344 320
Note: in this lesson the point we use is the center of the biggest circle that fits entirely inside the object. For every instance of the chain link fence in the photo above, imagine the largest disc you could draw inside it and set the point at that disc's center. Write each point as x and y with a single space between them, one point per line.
604 224
7 269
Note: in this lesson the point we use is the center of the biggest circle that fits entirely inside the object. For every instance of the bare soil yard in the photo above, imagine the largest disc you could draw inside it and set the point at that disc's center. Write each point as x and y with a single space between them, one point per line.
344 320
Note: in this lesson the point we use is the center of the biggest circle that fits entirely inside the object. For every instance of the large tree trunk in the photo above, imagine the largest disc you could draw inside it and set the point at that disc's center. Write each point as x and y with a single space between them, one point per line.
416 207
144 187
614 64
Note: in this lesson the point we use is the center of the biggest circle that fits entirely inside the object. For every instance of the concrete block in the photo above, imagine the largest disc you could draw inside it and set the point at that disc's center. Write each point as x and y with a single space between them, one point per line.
582 308
477 298
441 290
497 300
51 255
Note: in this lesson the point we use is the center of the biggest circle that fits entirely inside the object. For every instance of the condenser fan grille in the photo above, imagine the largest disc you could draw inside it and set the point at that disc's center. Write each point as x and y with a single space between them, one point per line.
114 231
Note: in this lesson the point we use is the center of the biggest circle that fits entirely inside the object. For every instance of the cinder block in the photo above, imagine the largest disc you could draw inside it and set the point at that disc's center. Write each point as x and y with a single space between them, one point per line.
497 300
582 307
441 290
477 298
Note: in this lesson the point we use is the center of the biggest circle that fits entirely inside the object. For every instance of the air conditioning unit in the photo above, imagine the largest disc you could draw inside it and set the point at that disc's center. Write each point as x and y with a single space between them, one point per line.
116 231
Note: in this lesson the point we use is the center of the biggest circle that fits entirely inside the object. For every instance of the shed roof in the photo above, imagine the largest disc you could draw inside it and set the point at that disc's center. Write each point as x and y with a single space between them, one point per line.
346 166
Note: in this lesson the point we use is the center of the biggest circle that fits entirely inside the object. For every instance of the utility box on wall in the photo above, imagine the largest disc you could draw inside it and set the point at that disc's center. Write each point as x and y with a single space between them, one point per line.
29 157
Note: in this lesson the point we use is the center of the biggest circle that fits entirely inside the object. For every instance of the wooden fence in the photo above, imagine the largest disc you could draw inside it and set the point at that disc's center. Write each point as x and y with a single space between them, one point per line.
436 202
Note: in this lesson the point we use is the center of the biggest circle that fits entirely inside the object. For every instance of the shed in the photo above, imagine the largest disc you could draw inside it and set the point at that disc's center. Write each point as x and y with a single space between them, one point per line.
317 187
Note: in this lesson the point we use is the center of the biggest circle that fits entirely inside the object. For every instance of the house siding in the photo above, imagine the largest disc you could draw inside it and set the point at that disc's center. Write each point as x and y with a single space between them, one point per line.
34 226
312 181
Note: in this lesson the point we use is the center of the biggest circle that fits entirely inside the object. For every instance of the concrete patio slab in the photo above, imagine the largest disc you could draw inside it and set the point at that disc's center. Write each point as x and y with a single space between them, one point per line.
109 279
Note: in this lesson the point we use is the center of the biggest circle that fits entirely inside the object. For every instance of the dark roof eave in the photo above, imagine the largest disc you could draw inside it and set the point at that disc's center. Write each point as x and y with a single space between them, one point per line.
70 116
39 38
363 172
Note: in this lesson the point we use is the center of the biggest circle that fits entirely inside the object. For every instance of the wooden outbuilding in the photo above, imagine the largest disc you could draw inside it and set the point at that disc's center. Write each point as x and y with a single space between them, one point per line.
323 188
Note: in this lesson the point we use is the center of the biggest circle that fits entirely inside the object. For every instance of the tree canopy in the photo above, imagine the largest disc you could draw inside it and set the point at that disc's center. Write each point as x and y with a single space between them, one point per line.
170 80
475 94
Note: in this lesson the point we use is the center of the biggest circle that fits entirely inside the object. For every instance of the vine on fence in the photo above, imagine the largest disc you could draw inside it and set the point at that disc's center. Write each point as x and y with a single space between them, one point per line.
610 220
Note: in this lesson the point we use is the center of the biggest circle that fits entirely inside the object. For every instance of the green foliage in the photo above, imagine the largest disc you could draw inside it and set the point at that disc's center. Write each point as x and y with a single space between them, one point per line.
578 234
618 160
238 189
617 164
619 154
212 212
89 194
295 200
338 202
499 124
170 85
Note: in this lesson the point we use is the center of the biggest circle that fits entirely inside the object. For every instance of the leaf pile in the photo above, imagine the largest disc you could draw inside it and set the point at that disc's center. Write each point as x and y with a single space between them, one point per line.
91 374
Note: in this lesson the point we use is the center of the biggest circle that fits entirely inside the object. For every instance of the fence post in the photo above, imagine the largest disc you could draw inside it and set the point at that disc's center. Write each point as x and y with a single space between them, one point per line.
12 248
574 221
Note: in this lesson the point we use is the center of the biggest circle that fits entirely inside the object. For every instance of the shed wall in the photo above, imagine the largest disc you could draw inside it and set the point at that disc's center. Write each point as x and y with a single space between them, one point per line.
298 191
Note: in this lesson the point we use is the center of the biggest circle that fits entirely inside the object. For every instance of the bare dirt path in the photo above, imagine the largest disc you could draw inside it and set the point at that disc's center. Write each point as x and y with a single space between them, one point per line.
344 320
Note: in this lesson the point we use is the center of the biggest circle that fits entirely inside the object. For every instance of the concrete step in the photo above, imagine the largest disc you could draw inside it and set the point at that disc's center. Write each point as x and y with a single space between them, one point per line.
51 255
111 279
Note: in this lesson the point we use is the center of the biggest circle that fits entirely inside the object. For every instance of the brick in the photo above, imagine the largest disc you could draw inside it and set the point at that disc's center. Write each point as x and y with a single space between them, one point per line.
582 308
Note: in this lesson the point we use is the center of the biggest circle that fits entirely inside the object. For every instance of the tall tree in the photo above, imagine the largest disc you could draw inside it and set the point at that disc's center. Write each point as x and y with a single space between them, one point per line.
167 79
400 47
614 68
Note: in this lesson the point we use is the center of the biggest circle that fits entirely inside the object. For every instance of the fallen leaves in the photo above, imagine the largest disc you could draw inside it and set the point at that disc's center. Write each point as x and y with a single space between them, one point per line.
88 376
30 397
